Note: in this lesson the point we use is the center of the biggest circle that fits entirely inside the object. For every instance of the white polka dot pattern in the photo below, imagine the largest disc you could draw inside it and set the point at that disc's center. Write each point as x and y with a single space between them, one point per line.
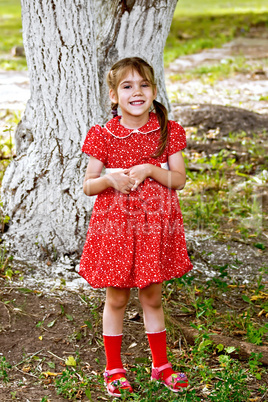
137 239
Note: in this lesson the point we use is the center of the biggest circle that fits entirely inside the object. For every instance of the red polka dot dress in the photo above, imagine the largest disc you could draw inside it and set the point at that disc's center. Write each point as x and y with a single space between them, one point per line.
134 239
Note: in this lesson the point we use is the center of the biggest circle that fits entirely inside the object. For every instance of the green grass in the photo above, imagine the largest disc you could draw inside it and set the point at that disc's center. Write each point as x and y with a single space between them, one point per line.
10 35
209 73
4 367
10 25
222 197
186 8
211 367
200 25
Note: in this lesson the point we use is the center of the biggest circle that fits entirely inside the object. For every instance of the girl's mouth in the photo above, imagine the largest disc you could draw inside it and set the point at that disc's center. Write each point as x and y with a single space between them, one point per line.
137 103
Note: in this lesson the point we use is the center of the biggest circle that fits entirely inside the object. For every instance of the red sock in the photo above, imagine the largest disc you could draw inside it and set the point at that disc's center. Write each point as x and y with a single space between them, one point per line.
112 345
158 345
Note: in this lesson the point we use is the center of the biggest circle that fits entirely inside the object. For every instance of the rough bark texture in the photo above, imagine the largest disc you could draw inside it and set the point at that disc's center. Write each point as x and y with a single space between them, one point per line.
132 28
69 46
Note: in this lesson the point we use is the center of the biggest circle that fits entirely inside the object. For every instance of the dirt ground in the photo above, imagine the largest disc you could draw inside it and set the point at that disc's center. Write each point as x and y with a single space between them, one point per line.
22 310
40 329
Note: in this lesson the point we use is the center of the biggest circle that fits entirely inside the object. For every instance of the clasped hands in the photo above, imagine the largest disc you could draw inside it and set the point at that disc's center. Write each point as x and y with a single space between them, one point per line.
128 180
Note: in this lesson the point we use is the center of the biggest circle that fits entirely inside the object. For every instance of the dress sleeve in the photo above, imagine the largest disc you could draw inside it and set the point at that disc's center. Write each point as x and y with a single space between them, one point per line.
177 138
95 144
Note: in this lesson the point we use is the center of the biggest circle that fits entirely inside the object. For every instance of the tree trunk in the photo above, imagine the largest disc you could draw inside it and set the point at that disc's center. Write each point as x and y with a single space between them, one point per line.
69 46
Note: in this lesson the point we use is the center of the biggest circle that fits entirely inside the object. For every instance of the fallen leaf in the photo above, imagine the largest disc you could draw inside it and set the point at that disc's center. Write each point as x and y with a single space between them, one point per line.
50 374
51 323
26 369
70 361
132 345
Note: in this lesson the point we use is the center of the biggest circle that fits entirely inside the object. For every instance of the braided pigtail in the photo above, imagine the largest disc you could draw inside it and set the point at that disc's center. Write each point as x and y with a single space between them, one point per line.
162 116
114 109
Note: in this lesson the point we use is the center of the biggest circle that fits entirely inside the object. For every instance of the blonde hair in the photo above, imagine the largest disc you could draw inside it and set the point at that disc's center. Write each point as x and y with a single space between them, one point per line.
115 76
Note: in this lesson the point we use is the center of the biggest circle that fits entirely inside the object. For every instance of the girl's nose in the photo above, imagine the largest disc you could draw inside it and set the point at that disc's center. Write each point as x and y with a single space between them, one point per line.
137 91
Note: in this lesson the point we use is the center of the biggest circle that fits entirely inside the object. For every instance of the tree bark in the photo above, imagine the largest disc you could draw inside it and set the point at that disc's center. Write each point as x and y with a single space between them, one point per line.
69 47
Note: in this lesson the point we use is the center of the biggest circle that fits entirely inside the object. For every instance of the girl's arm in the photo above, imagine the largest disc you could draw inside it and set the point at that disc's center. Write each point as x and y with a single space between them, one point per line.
174 178
94 183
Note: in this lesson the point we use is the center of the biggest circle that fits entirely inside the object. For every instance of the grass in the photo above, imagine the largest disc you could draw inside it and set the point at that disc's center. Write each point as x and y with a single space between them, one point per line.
219 7
11 28
224 196
10 35
9 121
200 25
229 67
4 367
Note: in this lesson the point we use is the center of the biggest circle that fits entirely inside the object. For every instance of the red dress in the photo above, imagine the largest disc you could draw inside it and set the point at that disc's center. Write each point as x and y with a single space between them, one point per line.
137 239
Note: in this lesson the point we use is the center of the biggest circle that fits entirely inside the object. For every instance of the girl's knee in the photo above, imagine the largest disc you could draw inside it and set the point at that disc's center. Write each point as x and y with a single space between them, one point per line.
117 298
151 296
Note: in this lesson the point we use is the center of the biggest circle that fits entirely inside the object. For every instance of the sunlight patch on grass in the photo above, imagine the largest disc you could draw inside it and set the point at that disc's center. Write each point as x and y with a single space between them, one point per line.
10 25
201 25
218 7
226 68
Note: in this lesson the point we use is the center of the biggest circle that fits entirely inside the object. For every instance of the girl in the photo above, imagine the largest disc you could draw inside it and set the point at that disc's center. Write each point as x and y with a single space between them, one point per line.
136 235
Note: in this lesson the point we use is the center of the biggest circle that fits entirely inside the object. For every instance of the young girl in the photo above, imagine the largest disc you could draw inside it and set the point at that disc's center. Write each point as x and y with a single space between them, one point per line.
136 236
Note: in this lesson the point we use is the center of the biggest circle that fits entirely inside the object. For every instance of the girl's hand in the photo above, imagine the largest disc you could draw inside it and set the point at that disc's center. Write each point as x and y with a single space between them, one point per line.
121 181
138 173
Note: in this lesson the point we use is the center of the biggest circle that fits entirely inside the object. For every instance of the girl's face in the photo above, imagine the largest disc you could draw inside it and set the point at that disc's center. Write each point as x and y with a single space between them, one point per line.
135 96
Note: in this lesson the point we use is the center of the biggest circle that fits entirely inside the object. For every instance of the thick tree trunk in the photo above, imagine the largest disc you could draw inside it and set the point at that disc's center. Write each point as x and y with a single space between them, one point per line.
69 47
132 28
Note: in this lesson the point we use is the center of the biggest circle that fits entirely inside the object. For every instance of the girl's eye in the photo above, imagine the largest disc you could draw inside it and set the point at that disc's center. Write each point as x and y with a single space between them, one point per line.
126 86
145 85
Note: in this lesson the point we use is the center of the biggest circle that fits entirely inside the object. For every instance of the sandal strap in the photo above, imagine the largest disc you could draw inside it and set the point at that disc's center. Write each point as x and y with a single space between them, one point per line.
157 370
107 373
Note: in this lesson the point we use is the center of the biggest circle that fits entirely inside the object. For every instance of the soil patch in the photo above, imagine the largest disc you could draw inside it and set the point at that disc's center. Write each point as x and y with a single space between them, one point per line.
40 331
224 118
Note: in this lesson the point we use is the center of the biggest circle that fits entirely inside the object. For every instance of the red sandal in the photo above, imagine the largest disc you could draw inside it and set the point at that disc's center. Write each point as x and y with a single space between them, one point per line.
172 381
114 386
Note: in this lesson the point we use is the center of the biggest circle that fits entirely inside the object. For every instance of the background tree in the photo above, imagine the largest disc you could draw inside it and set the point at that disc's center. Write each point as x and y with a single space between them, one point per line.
69 46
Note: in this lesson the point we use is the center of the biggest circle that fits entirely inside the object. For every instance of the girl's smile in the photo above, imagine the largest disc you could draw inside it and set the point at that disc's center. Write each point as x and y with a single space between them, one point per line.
135 96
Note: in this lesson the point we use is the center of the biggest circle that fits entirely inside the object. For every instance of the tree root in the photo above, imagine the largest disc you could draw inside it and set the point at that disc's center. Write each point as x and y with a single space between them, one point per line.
243 349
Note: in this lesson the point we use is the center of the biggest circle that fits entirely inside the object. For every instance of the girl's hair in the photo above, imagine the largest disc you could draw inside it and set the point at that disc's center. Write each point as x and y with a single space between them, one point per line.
115 76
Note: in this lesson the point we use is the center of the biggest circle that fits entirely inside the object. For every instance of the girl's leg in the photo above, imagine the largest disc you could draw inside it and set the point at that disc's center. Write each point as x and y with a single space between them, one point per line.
114 310
153 315
151 301
113 315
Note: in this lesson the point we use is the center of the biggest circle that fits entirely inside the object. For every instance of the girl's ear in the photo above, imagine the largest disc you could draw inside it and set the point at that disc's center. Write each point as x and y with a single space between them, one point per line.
113 96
